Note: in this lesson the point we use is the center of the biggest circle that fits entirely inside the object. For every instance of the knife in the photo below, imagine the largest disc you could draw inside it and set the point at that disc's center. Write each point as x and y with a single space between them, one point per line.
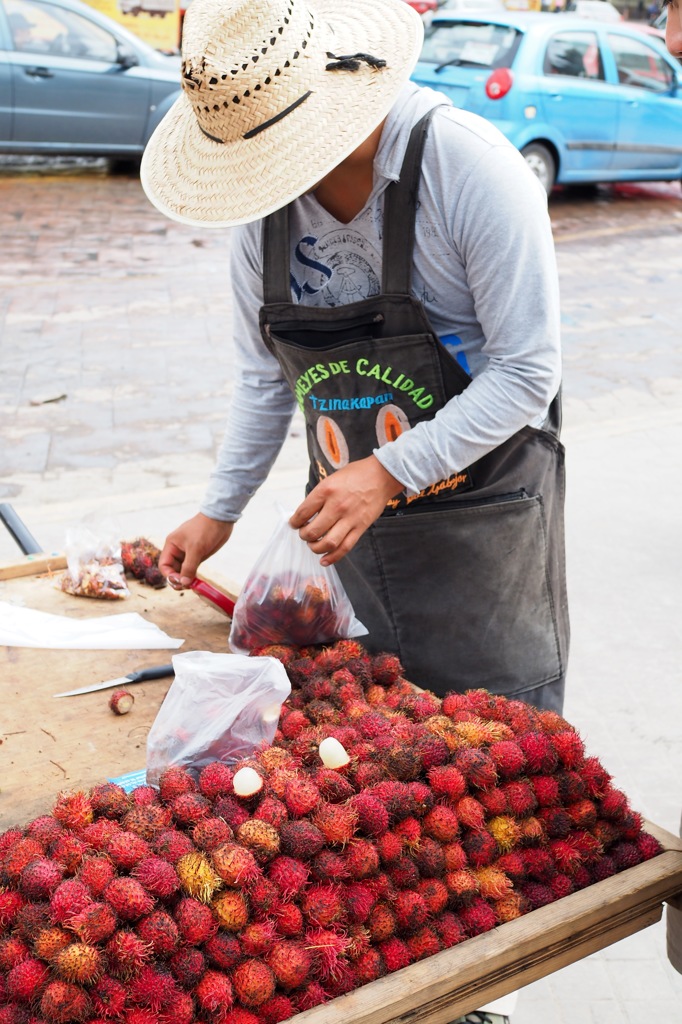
133 677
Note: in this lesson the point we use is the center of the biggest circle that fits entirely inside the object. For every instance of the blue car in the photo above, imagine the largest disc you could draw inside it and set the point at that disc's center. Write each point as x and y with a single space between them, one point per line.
73 81
584 101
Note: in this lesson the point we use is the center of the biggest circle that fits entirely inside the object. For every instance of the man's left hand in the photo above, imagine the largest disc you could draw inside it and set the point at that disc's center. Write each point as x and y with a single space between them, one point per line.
339 509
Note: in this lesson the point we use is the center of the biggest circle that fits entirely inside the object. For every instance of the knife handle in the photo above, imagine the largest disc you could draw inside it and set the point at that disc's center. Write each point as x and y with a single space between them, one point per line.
151 673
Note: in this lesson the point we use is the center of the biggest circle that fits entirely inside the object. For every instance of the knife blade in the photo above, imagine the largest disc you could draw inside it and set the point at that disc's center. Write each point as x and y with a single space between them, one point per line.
133 677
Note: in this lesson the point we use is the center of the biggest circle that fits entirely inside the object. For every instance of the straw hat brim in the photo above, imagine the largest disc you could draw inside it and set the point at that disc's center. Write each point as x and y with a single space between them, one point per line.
195 180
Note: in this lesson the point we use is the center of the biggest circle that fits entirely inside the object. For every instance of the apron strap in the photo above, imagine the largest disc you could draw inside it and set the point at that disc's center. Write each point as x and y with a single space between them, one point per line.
400 210
276 258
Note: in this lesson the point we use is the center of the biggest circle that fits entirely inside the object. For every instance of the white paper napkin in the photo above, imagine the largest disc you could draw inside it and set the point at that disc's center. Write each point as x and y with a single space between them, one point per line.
26 627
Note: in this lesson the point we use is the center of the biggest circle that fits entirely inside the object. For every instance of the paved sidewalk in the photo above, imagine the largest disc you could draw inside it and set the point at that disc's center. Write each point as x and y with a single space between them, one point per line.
128 316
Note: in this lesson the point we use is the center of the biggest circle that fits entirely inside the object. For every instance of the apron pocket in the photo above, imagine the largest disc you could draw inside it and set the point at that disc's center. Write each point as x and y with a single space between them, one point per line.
469 594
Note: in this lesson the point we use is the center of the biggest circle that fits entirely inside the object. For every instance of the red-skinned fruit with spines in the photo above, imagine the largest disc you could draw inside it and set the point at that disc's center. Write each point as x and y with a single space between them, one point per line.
509 907
597 780
73 809
429 857
50 941
441 823
40 878
395 954
477 767
540 866
425 942
409 831
109 998
362 859
277 1009
537 894
328 866
152 987
147 820
174 781
94 924
477 916
333 785
411 911
493 884
310 996
18 856
470 812
480 847
190 808
157 876
257 937
8 840
390 847
631 825
433 752
69 898
508 757
142 1016
80 963
180 1011
613 805
271 810
260 837
188 966
289 920
520 797
367 774
128 898
126 953
359 900
343 980
532 830
231 910
63 1001
27 979
329 949
583 813
31 919
141 796
215 780
625 854
10 904
97 834
236 865
223 951
291 964
512 864
449 929
569 748
289 874
323 904
546 789
648 845
13 950
171 844
127 848
301 839
494 800
68 850
556 820
435 894
541 757
254 983
44 830
561 885
195 921
337 822
160 931
381 922
209 833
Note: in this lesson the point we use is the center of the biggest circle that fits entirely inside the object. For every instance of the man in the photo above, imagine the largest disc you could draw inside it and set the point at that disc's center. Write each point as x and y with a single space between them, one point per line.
673 28
395 277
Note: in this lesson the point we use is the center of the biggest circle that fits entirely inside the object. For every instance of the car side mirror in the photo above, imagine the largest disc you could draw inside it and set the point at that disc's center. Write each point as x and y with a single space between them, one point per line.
126 57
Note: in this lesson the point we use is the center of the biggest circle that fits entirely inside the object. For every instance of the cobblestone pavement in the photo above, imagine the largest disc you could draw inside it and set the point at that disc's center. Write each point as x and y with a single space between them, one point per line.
115 367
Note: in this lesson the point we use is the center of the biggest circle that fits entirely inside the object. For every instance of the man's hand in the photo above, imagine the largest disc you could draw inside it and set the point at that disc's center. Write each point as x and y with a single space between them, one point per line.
343 506
187 547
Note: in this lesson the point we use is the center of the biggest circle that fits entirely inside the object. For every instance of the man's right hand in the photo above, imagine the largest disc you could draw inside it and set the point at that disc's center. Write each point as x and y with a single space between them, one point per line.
187 547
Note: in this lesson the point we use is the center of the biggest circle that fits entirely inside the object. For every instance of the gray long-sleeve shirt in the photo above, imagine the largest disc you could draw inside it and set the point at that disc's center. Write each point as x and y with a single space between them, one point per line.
484 268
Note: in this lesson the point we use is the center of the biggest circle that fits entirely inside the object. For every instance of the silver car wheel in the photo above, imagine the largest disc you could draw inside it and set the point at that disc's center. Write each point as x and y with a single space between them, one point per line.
541 163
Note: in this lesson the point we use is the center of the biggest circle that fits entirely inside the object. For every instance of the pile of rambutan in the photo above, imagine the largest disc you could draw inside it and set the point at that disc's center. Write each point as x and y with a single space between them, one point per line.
192 903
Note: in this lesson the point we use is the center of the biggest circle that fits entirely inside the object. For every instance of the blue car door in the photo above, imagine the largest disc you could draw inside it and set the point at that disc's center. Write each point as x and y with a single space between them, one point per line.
650 129
579 103
70 87
5 82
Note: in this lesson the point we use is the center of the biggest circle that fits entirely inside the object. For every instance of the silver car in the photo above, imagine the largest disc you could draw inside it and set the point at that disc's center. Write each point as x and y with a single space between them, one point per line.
72 81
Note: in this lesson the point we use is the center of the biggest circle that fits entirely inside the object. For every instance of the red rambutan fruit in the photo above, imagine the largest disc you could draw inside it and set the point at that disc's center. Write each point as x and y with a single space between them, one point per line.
603 868
362 859
63 1001
174 781
425 942
537 894
505 831
301 797
128 898
323 904
96 836
301 839
151 987
289 874
73 810
583 814
310 996
157 876
147 820
271 810
40 878
277 1009
215 780
44 830
231 909
613 804
261 838
532 830
223 950
433 752
12 951
137 1015
462 886
180 1011
372 816
435 895
541 757
569 748
367 773
477 766
540 865
561 885
109 998
159 931
336 822
294 724
143 795
94 924
289 919
494 801
343 980
231 810
18 856
395 954
291 963
572 786
195 921
625 854
556 821
477 916
381 922
109 800
328 866
596 778
441 823
190 808
254 982
27 979
370 966
359 900
455 856
410 910
648 845
546 789
333 785
188 966
10 904
126 953
520 797
390 847
509 758
127 848
470 812
480 847
31 919
257 937
429 857
449 929
171 844
236 865
69 898
49 942
68 850
493 884
409 831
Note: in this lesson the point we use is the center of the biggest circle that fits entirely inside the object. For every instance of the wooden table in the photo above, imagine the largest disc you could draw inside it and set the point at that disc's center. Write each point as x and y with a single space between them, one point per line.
75 742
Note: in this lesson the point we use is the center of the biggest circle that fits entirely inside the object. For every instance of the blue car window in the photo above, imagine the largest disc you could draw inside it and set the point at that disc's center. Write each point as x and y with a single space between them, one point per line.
470 43
574 54
639 65
45 28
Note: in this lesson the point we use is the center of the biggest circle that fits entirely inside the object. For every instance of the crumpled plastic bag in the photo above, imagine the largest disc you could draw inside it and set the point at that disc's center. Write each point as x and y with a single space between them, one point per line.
289 598
95 566
220 707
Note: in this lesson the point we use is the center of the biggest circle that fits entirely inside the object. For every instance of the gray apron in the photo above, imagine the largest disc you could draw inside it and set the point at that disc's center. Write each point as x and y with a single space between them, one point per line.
465 583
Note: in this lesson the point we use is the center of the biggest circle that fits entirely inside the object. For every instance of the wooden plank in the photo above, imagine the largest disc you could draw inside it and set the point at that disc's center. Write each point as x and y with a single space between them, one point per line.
32 565
75 742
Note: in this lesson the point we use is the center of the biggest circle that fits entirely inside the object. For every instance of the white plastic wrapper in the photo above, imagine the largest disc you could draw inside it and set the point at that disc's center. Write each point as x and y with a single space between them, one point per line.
220 707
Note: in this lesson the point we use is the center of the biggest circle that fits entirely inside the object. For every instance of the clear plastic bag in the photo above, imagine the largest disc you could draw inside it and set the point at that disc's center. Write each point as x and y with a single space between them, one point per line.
289 598
95 567
220 707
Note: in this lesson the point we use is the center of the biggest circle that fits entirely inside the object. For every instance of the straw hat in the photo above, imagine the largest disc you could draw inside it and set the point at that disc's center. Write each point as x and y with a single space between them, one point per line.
276 93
